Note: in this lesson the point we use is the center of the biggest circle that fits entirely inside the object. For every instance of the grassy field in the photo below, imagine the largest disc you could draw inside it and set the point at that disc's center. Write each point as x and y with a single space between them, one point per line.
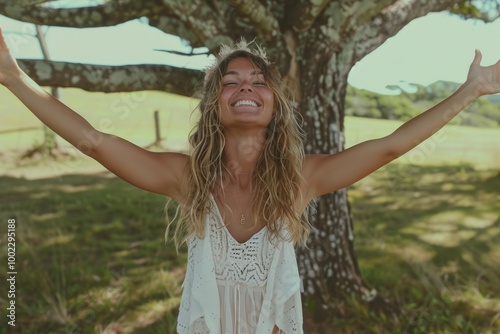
131 116
91 256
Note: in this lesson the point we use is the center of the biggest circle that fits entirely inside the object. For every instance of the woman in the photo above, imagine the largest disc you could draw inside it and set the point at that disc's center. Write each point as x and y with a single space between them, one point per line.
243 190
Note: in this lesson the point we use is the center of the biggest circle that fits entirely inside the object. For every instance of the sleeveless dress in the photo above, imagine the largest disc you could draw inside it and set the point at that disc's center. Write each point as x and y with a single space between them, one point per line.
239 288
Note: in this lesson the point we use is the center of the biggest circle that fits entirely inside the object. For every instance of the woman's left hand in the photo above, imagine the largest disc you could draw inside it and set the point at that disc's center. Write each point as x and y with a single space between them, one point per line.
486 78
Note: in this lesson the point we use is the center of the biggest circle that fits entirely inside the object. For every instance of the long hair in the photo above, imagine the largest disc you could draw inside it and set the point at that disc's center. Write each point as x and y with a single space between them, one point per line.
277 175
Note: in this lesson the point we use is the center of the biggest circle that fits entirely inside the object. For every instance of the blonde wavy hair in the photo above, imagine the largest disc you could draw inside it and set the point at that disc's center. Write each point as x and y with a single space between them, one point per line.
277 174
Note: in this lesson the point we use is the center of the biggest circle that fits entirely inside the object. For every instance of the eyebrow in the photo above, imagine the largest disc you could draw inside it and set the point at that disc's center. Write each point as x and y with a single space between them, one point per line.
237 73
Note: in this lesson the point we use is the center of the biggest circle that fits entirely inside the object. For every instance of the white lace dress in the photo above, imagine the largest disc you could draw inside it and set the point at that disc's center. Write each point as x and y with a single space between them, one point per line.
239 288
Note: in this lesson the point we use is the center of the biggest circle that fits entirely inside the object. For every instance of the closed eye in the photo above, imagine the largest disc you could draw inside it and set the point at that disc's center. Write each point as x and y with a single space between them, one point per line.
229 83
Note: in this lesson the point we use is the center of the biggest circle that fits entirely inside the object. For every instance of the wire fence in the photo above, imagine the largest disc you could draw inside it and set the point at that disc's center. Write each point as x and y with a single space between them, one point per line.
30 128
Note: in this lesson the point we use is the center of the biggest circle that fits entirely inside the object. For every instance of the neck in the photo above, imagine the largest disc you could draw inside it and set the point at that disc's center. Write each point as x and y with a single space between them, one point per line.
241 153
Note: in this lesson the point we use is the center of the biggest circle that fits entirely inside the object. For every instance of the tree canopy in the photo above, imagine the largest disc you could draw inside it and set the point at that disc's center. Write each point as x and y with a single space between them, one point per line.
357 26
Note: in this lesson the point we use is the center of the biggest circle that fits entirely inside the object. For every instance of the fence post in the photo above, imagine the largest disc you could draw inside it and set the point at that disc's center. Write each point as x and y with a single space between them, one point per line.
157 127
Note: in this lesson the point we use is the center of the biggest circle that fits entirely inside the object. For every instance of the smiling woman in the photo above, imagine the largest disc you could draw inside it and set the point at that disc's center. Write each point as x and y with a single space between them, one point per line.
237 197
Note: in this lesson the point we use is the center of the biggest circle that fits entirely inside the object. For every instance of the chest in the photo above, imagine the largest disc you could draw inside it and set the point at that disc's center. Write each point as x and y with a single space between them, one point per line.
235 210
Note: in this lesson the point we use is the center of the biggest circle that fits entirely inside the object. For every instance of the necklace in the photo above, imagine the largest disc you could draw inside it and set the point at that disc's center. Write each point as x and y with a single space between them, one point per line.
243 218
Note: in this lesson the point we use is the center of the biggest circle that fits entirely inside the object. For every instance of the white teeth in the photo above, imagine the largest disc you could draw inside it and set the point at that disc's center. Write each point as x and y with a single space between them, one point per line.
245 103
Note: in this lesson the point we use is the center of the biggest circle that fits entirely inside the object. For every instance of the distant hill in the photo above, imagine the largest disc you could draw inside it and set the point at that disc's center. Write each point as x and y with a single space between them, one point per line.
495 99
484 112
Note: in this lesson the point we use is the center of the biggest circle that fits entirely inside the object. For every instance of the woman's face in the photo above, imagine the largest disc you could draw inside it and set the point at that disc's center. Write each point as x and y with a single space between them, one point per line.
246 99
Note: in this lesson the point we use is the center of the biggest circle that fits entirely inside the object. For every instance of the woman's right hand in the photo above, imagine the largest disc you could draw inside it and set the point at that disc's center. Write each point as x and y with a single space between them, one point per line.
8 65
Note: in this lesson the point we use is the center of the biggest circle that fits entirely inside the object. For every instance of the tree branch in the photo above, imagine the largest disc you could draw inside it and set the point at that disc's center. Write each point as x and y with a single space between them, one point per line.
199 21
109 14
303 14
23 3
99 78
264 21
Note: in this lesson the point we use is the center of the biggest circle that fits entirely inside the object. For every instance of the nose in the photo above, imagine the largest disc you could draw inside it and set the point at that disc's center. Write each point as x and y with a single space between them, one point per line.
246 87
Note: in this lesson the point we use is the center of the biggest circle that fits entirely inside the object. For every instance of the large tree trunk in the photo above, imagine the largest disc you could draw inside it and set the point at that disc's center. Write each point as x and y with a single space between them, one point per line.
328 265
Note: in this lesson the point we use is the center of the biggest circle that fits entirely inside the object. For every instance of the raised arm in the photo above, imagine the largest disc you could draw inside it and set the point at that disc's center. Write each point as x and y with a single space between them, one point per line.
154 172
327 173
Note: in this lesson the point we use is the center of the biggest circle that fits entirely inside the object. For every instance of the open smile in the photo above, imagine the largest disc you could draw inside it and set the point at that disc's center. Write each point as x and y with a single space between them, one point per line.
245 103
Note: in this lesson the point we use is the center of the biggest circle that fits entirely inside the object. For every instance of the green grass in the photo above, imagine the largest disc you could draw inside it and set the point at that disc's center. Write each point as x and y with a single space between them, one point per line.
479 147
91 256
90 251
427 237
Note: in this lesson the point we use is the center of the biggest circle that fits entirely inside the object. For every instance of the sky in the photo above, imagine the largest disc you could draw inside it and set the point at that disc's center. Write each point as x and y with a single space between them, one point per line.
438 46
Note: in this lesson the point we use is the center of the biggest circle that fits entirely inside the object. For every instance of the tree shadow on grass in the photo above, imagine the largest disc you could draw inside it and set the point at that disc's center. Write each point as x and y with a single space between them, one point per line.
428 236
91 255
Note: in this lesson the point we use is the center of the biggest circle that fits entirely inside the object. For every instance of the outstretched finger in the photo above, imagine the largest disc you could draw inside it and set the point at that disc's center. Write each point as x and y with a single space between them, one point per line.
477 57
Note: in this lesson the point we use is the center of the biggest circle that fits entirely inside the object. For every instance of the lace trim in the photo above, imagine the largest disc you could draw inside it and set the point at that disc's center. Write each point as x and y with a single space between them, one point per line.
247 262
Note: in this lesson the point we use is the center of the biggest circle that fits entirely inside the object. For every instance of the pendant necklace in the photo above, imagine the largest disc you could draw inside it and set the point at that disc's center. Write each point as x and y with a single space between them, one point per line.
243 218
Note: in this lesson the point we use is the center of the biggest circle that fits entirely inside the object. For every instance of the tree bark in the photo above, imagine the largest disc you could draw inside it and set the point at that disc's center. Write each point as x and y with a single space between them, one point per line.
328 264
109 14
102 78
